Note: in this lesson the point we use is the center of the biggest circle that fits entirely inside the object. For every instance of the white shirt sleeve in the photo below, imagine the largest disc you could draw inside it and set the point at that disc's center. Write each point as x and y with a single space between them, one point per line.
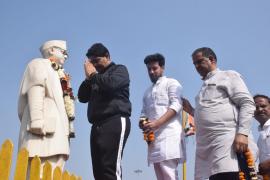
243 100
174 93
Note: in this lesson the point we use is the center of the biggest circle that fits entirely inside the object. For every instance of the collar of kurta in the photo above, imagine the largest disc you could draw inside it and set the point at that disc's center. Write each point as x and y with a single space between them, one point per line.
211 74
266 125
159 80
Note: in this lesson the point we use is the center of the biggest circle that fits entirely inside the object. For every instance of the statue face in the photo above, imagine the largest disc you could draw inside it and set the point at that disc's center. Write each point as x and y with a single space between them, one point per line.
59 54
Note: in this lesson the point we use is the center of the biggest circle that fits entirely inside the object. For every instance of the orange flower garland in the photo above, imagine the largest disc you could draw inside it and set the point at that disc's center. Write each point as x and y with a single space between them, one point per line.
67 94
251 167
150 137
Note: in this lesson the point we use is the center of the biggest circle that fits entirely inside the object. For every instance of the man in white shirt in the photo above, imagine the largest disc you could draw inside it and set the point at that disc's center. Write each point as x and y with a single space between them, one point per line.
162 106
262 115
223 115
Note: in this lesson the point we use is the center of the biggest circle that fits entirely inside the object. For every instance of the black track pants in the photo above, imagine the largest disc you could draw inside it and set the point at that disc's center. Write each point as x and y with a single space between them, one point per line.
107 143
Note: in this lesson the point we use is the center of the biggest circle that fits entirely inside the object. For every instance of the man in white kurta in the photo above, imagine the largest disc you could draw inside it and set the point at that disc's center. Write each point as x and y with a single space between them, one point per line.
262 115
162 106
223 115
44 127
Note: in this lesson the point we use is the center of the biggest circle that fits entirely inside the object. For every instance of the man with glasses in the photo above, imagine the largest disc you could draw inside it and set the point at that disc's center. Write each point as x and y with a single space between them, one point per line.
106 90
42 110
223 115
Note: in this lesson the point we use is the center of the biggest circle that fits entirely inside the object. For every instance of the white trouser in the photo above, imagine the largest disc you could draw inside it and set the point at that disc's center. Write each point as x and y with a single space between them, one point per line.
167 170
55 161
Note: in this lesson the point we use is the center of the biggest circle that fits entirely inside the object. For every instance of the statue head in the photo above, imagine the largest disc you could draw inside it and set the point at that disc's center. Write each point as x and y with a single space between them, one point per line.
56 49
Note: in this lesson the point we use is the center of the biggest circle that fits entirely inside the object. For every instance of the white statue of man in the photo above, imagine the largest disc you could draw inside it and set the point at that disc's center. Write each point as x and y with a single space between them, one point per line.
46 107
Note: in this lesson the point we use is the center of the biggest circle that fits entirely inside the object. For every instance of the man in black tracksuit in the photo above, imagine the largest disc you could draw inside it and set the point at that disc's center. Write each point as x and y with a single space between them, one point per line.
106 89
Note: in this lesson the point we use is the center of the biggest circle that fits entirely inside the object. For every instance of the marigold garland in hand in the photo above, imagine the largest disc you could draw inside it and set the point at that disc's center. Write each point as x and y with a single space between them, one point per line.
251 167
150 137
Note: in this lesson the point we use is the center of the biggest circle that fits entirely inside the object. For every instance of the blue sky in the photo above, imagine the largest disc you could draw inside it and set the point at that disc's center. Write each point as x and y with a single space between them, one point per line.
238 31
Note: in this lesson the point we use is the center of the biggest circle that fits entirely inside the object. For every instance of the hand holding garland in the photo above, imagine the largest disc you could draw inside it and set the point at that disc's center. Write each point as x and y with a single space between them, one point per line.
147 136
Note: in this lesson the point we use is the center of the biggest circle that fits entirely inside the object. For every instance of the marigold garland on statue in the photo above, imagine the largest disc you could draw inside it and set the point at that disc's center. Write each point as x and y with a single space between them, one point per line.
67 95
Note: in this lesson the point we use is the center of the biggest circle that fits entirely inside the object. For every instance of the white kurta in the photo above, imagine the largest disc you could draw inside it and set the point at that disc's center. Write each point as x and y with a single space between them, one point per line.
224 107
168 144
264 142
41 103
